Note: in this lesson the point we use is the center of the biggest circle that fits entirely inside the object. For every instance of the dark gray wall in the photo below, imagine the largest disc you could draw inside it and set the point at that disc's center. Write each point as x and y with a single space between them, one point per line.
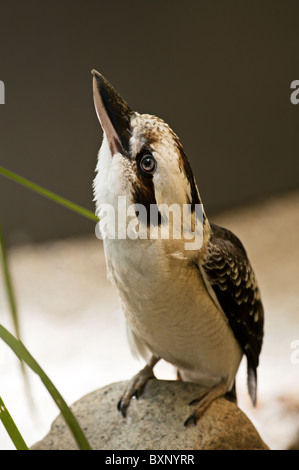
218 71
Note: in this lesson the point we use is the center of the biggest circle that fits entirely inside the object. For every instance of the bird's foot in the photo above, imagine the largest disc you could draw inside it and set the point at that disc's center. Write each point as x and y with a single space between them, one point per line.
135 388
203 402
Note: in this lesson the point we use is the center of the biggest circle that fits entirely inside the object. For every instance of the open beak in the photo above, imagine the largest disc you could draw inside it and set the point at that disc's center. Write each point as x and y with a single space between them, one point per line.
114 114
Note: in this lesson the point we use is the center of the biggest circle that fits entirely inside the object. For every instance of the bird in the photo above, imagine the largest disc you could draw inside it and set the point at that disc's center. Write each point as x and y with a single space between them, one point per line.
198 309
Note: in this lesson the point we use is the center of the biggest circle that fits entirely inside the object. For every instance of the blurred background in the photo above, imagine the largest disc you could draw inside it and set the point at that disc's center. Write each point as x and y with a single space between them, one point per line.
219 73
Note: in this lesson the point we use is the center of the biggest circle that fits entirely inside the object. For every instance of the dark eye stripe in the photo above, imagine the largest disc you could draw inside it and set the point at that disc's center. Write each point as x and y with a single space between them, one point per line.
143 188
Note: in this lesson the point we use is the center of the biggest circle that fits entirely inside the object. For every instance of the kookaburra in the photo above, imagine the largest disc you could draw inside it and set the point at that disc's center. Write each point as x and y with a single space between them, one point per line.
200 309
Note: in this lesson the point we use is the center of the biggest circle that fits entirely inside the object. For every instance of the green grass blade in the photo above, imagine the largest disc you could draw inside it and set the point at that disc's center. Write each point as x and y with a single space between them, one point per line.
23 354
12 305
48 194
8 284
11 427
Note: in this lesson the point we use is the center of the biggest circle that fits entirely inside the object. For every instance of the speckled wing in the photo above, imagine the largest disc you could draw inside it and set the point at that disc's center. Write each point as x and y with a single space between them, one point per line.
229 273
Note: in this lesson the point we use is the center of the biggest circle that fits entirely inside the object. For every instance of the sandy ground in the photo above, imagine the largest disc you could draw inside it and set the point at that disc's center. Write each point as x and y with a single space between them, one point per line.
72 324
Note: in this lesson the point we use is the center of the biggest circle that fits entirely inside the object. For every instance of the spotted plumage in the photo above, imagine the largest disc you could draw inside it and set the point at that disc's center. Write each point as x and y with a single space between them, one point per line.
199 309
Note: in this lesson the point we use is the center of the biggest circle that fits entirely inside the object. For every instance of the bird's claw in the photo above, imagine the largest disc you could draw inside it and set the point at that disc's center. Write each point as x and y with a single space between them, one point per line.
122 407
192 419
135 389
204 401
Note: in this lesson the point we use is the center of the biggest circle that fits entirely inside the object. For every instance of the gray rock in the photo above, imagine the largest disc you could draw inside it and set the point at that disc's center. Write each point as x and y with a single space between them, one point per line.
154 422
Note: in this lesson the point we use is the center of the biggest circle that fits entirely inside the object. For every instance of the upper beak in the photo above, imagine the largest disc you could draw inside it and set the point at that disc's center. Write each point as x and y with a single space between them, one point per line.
114 114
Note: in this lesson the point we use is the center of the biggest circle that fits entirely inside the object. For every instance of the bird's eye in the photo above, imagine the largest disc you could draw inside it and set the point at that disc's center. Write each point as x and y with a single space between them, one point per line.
148 164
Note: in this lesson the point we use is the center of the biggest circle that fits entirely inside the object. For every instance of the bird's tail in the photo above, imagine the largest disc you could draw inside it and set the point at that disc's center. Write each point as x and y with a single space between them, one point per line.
252 383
